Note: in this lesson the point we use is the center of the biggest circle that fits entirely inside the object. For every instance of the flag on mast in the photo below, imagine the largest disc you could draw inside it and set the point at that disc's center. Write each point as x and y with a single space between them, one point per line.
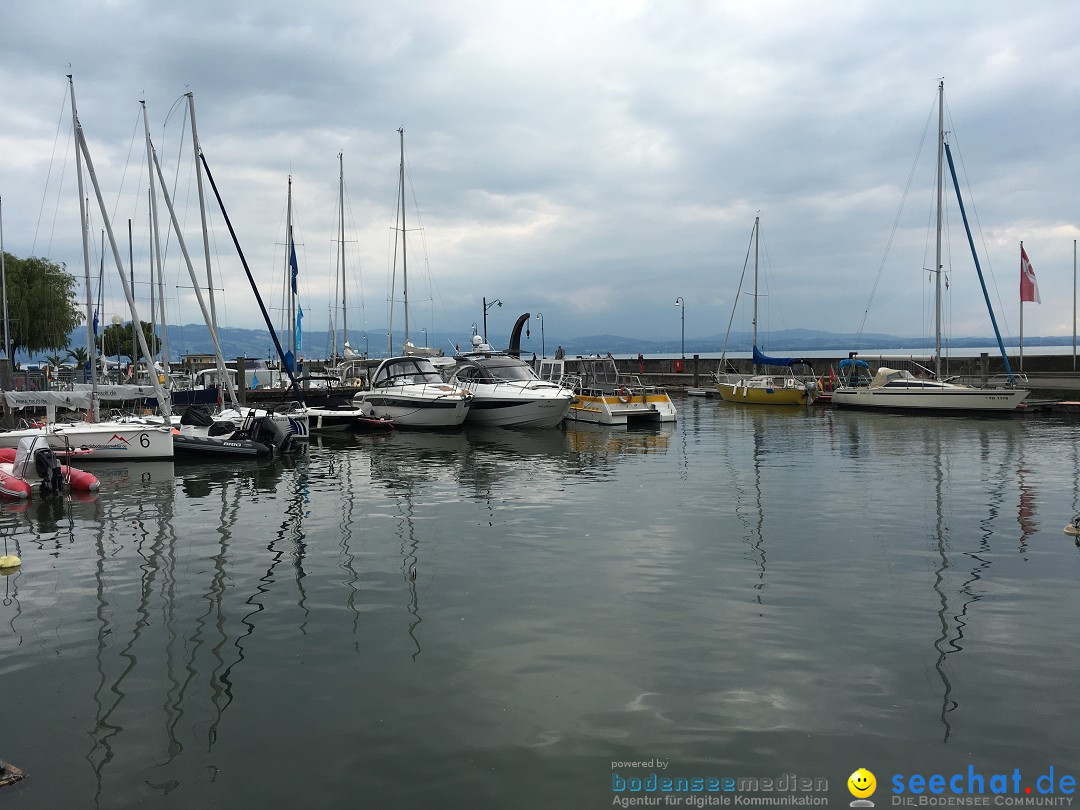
292 264
1029 286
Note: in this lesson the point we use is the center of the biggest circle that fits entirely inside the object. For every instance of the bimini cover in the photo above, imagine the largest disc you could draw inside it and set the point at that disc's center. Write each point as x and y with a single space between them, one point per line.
24 456
853 363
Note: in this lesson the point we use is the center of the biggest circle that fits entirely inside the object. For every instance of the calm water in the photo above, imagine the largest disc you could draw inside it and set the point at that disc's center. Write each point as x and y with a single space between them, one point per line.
492 618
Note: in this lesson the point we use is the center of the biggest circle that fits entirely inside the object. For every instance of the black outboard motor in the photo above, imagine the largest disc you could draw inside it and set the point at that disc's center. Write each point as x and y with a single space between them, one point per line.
48 467
273 434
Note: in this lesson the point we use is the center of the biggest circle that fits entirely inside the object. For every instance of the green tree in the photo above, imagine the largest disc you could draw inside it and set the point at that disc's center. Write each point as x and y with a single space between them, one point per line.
79 356
54 360
118 340
42 309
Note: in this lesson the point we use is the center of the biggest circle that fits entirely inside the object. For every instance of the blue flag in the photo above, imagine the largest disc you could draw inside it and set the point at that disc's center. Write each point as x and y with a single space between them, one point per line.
299 336
95 322
292 264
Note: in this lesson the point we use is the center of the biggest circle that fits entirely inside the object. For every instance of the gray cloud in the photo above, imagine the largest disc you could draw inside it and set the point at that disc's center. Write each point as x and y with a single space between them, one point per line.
591 161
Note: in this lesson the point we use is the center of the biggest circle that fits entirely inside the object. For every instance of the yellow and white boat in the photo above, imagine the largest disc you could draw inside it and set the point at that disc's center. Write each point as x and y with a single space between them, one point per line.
783 388
603 396
768 389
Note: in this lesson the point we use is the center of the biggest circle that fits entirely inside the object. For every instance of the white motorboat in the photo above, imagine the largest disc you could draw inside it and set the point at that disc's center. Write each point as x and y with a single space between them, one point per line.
327 411
412 393
506 391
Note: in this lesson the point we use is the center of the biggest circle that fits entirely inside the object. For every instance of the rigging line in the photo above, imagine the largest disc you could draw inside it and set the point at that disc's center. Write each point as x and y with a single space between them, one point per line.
978 226
432 285
64 114
735 306
180 102
359 285
251 280
768 272
896 219
123 177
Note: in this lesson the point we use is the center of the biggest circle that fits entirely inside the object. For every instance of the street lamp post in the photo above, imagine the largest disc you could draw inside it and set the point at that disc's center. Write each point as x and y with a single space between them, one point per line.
488 306
540 317
679 302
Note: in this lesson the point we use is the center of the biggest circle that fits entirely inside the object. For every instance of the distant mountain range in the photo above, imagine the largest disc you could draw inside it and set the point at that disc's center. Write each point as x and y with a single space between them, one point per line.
235 342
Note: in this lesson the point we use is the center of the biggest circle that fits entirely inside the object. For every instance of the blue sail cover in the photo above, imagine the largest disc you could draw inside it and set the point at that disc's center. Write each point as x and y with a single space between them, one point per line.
764 360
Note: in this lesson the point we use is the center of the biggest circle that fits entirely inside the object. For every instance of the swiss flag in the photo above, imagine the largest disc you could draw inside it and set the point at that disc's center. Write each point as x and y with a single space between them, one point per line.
1029 287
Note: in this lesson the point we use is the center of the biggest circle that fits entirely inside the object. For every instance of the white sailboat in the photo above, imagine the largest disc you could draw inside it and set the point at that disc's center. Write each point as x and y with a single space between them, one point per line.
108 440
900 390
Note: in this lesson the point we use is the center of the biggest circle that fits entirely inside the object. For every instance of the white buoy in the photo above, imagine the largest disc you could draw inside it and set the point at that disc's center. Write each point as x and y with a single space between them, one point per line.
9 561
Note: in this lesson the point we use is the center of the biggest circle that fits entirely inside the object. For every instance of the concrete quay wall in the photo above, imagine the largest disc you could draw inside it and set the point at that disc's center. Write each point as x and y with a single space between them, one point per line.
1048 376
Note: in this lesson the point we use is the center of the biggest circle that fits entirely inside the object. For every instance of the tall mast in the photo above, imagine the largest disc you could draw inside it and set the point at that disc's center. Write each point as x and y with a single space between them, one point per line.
163 397
341 236
937 259
93 412
197 152
291 295
155 236
404 262
3 285
223 378
757 231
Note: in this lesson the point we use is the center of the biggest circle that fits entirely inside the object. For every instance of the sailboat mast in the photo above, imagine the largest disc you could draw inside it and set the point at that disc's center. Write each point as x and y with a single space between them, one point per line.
937 257
757 231
155 235
404 262
341 236
288 273
197 150
223 378
163 398
92 414
3 285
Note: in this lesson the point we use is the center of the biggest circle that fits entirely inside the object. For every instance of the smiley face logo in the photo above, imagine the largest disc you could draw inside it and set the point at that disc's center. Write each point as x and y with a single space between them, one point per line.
862 783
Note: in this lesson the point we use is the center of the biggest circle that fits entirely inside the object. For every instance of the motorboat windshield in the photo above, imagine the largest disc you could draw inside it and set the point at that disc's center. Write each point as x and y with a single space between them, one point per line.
407 371
496 370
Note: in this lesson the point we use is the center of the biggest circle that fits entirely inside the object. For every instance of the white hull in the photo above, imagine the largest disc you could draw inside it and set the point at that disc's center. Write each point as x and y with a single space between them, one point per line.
414 411
110 441
541 413
943 397
409 391
332 420
537 404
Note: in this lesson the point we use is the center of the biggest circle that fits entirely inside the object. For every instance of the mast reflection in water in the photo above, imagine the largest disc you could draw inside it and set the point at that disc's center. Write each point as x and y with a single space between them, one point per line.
492 617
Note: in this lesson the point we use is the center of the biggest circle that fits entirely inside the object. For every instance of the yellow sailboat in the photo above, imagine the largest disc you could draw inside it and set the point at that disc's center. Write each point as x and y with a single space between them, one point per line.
781 388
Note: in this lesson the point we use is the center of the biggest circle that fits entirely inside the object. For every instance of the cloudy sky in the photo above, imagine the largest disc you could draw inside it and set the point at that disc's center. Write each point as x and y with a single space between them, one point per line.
591 160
